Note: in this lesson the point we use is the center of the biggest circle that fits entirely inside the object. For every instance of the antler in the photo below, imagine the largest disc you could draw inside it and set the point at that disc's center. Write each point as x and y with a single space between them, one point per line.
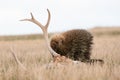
16 59
44 29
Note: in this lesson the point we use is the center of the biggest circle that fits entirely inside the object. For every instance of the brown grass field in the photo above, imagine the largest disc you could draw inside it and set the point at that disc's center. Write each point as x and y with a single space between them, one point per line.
34 56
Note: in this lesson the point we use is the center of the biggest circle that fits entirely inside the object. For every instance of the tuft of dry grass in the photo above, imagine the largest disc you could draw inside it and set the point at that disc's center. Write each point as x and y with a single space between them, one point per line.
35 56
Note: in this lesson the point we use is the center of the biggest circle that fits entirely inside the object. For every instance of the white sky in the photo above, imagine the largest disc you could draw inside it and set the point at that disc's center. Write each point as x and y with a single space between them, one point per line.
65 14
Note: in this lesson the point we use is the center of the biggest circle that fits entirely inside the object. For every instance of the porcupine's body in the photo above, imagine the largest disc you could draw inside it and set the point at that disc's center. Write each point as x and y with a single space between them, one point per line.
75 44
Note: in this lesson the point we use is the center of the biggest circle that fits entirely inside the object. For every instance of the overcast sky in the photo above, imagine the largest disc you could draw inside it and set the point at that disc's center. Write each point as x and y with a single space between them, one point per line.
65 14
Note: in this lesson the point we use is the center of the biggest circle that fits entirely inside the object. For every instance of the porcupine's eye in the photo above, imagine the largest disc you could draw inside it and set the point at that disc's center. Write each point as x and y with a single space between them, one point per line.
55 44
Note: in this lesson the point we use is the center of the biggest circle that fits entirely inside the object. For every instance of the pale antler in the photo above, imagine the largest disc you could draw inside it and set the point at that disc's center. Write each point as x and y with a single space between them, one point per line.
57 58
44 29
16 59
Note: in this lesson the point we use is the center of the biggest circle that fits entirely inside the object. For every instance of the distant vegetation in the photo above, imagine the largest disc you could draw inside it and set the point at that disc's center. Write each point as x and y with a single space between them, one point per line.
106 31
97 31
22 37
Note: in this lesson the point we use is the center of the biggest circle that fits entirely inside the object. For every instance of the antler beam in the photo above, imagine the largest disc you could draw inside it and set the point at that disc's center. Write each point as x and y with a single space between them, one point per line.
44 29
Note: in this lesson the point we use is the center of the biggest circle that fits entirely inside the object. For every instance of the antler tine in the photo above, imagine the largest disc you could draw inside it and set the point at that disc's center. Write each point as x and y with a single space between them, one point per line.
32 17
34 21
48 21
16 59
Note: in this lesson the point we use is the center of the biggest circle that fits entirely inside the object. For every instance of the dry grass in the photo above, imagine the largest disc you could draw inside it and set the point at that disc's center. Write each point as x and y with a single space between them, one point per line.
103 31
34 55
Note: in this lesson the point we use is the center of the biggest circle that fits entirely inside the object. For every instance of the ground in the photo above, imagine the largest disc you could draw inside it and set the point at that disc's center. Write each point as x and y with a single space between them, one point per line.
34 56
